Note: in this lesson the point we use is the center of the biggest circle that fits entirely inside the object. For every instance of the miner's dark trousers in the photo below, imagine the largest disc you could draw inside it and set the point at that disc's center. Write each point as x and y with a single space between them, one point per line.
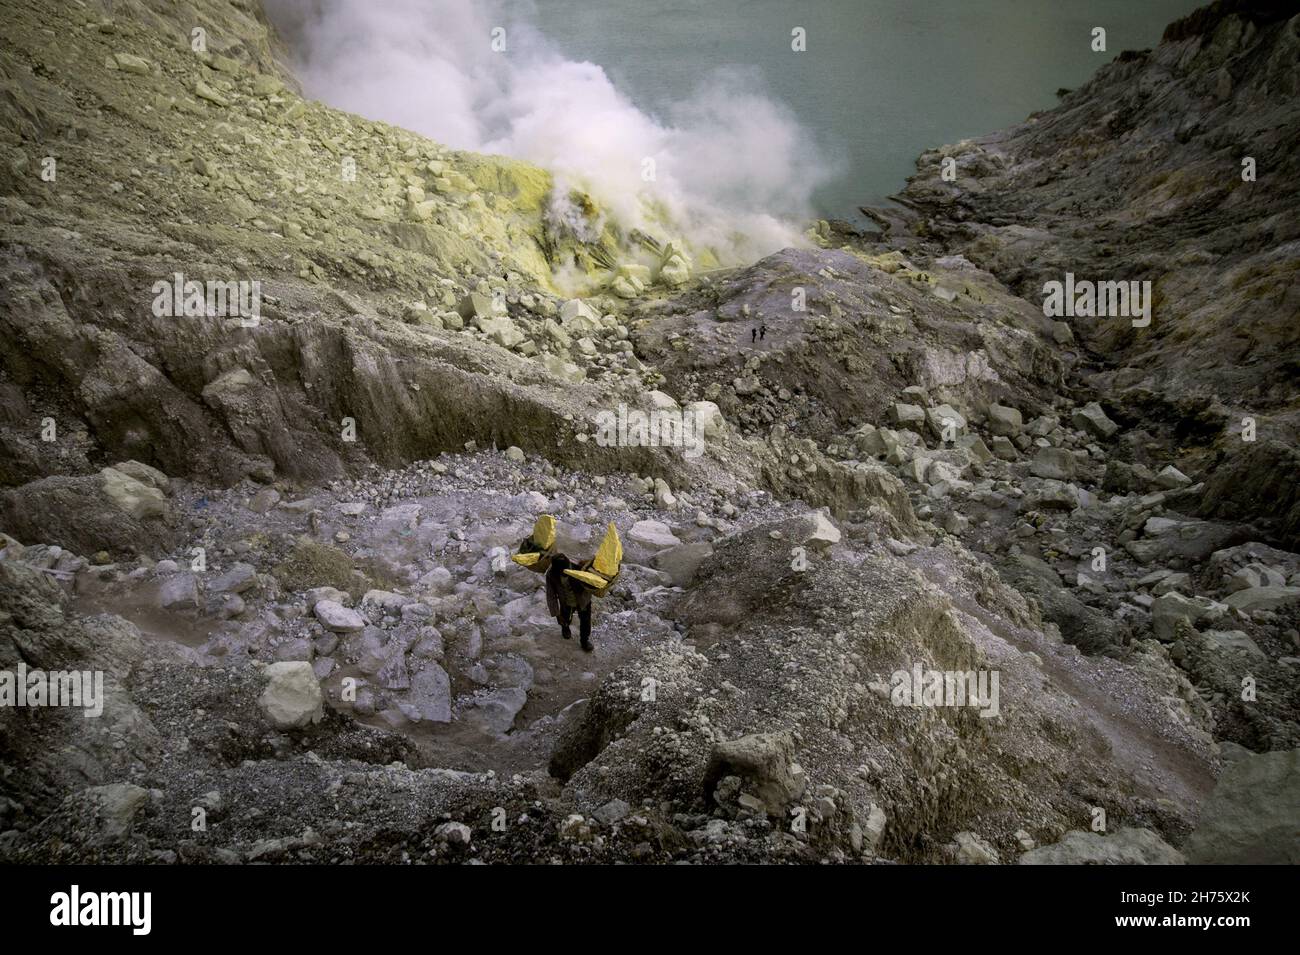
584 622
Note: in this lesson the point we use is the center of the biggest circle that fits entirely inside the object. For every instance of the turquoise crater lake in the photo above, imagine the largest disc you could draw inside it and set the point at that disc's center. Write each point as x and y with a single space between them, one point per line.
880 80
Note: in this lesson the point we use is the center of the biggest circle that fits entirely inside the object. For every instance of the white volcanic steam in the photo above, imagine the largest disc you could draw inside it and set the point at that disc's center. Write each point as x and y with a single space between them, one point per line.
733 169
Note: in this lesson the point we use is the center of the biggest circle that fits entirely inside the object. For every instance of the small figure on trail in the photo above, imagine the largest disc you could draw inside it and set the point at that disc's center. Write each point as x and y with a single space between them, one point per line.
753 335
569 585
762 332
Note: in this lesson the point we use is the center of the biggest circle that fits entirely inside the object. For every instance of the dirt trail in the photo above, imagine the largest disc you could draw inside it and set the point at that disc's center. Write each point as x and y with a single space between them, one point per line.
564 677
489 619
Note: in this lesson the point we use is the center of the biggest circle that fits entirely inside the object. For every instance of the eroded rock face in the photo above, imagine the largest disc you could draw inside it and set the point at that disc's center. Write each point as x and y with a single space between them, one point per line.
61 748
360 351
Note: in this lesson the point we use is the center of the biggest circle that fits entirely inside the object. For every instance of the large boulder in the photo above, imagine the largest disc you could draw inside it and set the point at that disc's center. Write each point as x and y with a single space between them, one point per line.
239 578
945 421
1166 538
116 806
1253 815
430 693
494 710
1171 478
562 369
476 305
1169 611
1004 421
675 271
144 474
292 698
87 514
1122 847
1056 464
1092 420
501 330
1263 598
708 417
903 415
969 848
822 532
179 592
579 318
652 535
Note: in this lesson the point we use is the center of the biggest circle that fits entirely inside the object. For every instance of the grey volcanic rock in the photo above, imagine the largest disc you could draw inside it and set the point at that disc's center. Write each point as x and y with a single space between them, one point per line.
1054 463
1253 815
1092 419
880 330
681 562
338 618
63 751
75 512
179 592
116 806
766 766
743 603
431 693
239 578
1122 847
292 698
1005 422
1263 598
1085 627
1256 482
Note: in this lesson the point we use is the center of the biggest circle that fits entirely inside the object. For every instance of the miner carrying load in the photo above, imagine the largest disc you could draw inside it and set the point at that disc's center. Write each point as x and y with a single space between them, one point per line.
570 586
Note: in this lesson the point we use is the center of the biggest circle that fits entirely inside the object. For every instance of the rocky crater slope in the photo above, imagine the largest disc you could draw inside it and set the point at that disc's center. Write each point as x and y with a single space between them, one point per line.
1176 166
285 542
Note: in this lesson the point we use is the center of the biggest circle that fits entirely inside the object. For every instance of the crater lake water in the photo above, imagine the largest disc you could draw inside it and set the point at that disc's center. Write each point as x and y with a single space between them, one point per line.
880 81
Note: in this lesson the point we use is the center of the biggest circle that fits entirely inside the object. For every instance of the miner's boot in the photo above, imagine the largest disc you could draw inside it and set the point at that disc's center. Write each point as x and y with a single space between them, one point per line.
584 629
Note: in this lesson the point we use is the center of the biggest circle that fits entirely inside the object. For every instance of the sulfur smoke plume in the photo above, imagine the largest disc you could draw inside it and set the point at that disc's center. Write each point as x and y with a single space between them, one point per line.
733 169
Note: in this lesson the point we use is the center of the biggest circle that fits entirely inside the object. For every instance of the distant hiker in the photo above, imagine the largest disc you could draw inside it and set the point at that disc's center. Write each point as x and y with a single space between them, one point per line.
762 332
753 335
571 586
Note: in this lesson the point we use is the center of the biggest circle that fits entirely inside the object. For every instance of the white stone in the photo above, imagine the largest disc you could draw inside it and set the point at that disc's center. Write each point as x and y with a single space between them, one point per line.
338 618
292 698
